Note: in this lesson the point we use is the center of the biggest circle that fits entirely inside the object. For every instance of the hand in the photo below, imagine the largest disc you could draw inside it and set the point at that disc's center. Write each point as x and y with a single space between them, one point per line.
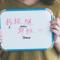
55 28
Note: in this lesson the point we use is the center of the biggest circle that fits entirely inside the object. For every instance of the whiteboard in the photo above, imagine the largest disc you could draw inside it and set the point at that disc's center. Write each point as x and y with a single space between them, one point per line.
26 29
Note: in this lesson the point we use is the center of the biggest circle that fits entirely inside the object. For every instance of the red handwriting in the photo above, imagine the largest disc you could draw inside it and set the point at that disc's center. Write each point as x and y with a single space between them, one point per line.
27 21
24 25
22 30
8 22
17 21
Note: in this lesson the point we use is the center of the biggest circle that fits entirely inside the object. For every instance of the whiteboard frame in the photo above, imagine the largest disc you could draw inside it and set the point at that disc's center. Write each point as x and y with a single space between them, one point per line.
29 9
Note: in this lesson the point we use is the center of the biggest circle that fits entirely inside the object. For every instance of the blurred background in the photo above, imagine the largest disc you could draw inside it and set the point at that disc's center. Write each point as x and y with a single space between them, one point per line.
26 55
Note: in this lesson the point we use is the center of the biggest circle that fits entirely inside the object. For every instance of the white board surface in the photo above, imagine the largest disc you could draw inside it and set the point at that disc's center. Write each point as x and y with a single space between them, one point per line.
26 29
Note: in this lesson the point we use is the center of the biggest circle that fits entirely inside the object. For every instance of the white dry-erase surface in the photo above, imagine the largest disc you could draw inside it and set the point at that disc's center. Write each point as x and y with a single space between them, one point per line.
26 29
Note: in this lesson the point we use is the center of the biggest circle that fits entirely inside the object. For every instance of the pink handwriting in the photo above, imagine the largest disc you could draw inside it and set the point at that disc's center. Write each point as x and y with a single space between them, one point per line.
10 21
23 30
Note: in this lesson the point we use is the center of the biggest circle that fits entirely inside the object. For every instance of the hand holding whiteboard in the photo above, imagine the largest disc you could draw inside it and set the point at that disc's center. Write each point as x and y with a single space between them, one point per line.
26 28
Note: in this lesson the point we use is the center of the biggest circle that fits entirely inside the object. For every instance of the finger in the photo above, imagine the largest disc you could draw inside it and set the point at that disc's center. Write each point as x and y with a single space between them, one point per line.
54 24
58 22
55 32
55 27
